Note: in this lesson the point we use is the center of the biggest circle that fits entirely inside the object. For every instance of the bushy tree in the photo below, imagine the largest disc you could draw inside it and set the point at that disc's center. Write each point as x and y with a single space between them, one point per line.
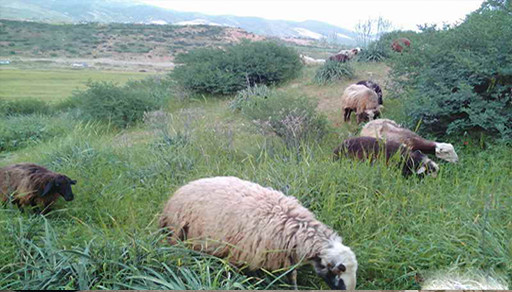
459 79
122 106
225 71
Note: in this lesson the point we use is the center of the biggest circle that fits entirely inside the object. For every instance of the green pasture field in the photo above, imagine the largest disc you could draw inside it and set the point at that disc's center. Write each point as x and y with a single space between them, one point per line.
107 237
53 85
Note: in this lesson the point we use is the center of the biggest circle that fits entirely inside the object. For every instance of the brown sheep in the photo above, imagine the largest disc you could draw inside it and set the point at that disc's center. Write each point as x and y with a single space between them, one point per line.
339 58
390 130
361 99
369 148
256 226
27 184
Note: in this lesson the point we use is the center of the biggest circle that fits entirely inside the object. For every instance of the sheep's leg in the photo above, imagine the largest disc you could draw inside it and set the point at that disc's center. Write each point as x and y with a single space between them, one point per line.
292 277
346 116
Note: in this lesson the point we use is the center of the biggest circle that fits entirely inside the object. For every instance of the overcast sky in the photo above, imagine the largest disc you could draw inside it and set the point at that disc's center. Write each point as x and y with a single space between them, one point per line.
404 14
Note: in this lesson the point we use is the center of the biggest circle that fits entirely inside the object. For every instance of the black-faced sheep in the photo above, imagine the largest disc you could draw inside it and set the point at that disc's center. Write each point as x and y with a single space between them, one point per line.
261 227
390 130
369 148
373 86
362 100
27 184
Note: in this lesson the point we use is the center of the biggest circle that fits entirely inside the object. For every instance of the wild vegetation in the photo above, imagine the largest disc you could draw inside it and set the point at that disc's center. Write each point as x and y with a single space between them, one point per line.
108 238
225 71
334 71
459 80
94 40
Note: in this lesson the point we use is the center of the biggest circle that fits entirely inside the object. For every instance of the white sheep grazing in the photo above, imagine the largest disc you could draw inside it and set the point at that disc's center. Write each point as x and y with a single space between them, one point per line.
390 130
362 100
469 280
261 227
311 61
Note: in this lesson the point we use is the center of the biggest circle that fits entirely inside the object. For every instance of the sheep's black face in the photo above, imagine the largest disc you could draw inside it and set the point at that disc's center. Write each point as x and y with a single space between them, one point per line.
330 274
62 185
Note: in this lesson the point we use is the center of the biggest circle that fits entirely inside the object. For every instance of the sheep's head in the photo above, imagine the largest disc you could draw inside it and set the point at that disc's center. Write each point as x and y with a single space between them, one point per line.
60 185
446 152
371 114
337 265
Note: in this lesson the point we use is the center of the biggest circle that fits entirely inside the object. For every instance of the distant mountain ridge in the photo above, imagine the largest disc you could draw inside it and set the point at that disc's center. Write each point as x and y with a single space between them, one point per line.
74 11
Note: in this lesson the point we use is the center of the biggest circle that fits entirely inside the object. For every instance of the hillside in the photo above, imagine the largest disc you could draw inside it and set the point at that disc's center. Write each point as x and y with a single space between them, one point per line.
158 43
75 11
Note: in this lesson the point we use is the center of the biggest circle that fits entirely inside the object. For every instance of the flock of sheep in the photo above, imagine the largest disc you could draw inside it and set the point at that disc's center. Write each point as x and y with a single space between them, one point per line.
384 137
253 225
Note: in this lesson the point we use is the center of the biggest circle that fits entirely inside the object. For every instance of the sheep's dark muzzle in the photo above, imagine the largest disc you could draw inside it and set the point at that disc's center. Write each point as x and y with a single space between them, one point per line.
334 282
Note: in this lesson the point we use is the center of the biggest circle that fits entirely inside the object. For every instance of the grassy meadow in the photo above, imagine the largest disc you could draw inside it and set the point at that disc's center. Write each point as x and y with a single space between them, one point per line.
108 238
53 85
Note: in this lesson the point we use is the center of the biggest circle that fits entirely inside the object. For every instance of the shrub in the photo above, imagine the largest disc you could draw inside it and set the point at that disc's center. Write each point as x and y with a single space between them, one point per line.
156 88
23 106
121 106
21 131
225 71
459 79
333 71
293 119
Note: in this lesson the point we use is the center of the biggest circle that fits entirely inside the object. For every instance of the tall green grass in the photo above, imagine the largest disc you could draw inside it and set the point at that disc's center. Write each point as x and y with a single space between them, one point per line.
107 238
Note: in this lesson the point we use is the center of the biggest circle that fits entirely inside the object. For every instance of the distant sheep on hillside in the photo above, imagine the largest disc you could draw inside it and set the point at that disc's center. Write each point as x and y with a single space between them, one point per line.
345 55
311 61
399 44
261 227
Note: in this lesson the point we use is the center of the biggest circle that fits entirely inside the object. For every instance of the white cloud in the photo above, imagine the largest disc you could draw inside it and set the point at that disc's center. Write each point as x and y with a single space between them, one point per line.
404 14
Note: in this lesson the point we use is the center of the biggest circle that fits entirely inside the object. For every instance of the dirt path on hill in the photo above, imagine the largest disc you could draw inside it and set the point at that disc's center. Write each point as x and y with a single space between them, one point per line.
99 63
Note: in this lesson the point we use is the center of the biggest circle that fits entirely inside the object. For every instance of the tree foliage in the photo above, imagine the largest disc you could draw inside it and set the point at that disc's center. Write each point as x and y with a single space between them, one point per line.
225 71
459 79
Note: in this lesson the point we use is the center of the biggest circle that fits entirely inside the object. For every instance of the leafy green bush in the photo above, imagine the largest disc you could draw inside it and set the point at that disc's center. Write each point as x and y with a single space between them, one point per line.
21 131
293 119
332 71
24 106
460 79
121 106
225 71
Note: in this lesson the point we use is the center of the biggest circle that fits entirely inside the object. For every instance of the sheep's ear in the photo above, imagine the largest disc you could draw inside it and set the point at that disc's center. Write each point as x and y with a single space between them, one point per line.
73 182
421 170
47 188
